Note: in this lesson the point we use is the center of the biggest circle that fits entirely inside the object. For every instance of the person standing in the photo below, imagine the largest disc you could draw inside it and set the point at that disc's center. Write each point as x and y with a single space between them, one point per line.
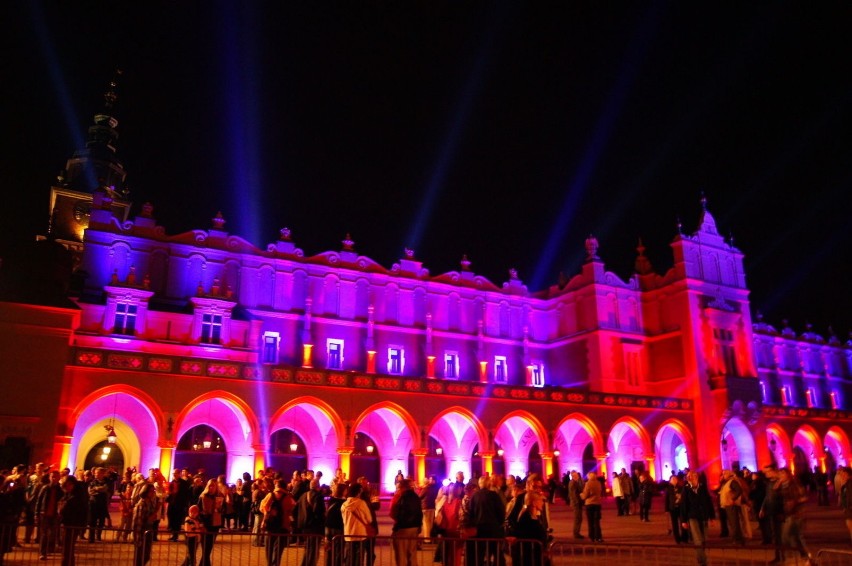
277 510
72 515
194 528
407 515
310 521
178 501
145 516
771 512
730 499
591 496
334 525
428 497
530 528
674 495
645 494
357 522
98 503
575 488
487 514
618 494
696 509
793 498
47 511
211 503
845 477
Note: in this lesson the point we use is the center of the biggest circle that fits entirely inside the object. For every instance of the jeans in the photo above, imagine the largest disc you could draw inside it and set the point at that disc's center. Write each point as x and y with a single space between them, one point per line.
593 518
696 530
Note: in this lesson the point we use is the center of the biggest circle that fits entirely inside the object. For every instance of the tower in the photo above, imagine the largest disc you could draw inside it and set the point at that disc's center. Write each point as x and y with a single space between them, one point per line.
94 178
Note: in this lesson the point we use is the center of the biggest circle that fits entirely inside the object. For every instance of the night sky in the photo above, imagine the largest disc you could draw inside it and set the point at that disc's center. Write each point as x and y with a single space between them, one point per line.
498 130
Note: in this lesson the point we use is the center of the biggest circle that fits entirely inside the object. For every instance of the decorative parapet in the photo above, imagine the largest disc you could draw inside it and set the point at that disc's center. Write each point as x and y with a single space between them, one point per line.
204 369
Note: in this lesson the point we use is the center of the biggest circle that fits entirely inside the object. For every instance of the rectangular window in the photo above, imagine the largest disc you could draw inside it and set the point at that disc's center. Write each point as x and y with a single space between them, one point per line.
501 373
451 365
125 319
211 328
810 395
786 397
270 347
835 402
396 360
725 351
335 354
537 374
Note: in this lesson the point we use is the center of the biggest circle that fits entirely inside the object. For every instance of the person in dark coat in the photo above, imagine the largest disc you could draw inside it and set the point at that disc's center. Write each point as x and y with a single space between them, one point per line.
487 514
674 495
696 509
530 528
73 512
310 520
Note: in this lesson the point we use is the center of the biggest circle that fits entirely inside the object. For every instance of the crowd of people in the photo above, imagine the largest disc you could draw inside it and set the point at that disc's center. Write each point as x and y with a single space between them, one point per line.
472 522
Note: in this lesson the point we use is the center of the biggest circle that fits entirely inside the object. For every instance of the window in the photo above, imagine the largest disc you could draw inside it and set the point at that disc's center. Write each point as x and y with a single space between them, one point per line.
810 396
451 365
500 369
396 360
835 402
537 374
269 355
786 397
763 392
125 318
335 354
725 353
211 328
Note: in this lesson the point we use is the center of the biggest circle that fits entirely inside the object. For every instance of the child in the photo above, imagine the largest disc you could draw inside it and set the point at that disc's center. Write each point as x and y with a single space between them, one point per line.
193 527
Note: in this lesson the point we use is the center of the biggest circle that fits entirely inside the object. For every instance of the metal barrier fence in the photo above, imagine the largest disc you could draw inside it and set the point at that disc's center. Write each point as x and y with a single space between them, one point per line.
117 548
830 557
563 553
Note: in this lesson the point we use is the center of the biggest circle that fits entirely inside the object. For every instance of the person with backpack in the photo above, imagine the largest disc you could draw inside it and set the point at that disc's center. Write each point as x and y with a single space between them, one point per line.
334 525
407 516
277 510
310 521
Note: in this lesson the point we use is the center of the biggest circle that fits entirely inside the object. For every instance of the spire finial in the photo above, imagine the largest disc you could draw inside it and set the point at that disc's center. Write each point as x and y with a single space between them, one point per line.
679 225
110 95
703 201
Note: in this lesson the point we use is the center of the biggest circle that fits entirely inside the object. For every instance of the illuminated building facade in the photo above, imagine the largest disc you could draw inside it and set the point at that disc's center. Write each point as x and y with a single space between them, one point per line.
203 350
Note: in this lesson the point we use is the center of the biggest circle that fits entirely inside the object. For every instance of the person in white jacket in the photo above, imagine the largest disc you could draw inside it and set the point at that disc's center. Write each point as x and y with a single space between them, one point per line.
357 522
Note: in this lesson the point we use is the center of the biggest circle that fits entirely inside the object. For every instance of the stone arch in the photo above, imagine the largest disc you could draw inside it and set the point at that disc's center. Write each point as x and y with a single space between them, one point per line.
135 416
458 431
782 446
837 442
318 425
233 419
809 441
516 434
672 456
394 431
628 445
737 446
572 438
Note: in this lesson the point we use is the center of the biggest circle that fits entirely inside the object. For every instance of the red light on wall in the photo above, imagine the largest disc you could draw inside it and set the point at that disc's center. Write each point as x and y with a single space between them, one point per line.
430 366
307 349
371 361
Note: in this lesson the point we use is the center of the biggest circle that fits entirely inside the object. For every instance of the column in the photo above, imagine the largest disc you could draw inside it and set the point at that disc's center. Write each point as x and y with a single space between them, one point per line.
487 462
259 457
345 462
62 451
167 453
650 466
546 465
602 467
420 464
